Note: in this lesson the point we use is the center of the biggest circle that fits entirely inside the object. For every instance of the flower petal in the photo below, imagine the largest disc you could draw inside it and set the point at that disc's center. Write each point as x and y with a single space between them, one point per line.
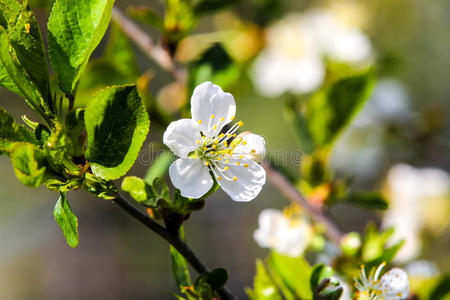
191 177
181 136
212 108
252 146
268 221
394 285
243 180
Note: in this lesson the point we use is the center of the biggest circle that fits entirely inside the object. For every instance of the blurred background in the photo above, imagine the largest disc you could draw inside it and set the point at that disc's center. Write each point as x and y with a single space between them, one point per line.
403 129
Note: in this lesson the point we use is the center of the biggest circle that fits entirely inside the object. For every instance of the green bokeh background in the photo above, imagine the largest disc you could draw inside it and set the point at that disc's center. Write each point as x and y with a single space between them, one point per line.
119 259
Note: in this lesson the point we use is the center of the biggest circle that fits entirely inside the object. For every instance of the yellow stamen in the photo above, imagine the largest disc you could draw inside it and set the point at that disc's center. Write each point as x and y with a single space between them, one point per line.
197 141
222 119
226 168
199 121
219 178
232 118
238 163
27 27
214 146
234 178
253 151
216 141
207 163
241 156
227 161
246 165
213 116
214 127
244 143
234 135
205 148
240 123
221 135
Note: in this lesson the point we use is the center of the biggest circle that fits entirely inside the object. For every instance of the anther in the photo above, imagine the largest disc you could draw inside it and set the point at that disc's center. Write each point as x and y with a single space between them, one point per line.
253 151
245 165
244 143
222 119
199 121
240 123
234 178
226 168
238 163
213 116
219 178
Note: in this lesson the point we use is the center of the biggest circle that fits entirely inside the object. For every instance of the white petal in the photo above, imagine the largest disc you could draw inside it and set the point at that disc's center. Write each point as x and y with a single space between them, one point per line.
248 180
254 148
191 177
268 220
307 74
394 285
181 136
209 100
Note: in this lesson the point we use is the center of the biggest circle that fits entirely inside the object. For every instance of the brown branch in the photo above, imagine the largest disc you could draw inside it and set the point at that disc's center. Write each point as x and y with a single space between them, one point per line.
291 193
155 51
172 239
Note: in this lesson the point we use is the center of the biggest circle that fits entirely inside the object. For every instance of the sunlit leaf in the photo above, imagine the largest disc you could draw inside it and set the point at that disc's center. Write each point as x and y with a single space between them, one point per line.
67 221
75 28
117 125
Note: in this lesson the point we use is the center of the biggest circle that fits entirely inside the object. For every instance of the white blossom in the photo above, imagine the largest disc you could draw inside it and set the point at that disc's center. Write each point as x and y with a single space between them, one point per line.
418 199
293 59
393 285
204 152
286 232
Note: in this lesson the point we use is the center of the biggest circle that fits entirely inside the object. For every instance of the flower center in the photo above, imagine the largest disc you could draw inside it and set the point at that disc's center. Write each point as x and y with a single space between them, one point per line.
215 149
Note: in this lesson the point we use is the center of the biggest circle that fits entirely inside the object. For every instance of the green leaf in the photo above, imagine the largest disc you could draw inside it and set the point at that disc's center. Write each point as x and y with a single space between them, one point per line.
319 273
67 221
217 278
16 73
28 164
329 111
214 65
101 188
12 133
293 271
75 28
370 200
25 37
159 166
179 266
442 289
136 187
263 286
117 125
329 290
75 131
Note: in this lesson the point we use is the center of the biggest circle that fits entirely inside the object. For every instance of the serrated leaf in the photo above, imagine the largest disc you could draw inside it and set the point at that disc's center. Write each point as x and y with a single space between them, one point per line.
28 165
67 221
75 28
17 74
117 125
263 286
25 37
11 133
329 111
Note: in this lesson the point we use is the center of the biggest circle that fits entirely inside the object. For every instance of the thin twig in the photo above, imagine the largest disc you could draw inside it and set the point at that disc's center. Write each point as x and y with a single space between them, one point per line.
147 45
174 240
293 194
